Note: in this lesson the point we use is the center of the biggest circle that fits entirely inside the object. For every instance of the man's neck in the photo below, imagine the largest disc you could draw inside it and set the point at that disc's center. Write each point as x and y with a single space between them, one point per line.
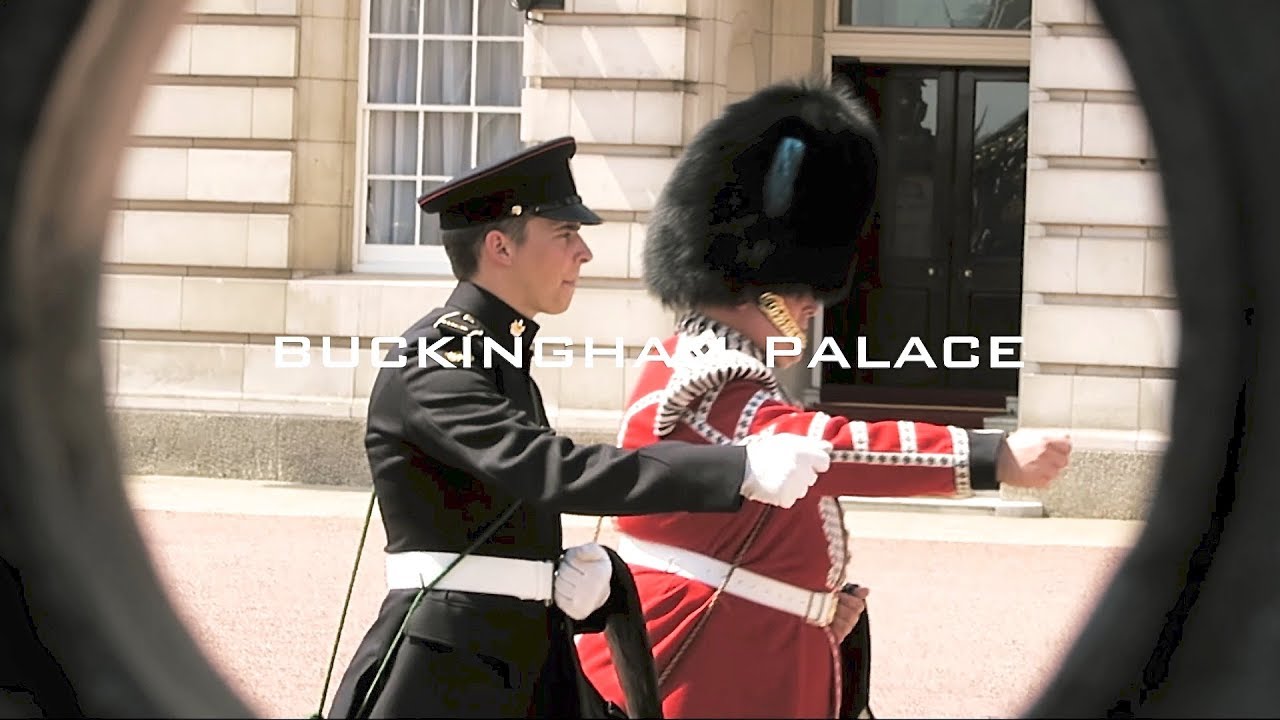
502 291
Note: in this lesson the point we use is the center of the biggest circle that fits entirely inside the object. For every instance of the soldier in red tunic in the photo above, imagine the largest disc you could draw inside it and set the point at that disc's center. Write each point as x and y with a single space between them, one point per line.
756 227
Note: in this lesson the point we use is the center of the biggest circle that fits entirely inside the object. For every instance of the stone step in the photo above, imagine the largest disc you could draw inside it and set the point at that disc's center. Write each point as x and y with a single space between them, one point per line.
982 503
1008 423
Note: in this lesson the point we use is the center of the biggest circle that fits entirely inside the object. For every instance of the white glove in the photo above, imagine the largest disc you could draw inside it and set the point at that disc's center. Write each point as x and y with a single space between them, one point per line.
582 580
781 468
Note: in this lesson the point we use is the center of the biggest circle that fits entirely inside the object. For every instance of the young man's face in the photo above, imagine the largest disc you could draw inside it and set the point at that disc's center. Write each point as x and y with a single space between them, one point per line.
547 266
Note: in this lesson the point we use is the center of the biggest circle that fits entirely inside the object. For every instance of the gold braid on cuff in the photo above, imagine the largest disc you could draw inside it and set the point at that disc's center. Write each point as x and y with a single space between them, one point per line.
773 307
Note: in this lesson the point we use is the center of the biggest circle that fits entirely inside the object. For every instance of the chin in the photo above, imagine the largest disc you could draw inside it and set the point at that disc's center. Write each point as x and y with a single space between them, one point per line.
559 299
558 305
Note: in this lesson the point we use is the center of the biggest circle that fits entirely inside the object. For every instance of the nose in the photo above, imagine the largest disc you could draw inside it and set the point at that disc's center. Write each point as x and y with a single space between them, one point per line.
584 251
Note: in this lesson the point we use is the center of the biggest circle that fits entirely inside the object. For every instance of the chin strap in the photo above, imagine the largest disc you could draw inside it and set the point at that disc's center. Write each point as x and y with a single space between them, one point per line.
774 308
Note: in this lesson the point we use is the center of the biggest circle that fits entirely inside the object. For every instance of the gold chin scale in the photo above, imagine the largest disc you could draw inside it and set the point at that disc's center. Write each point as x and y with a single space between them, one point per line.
773 307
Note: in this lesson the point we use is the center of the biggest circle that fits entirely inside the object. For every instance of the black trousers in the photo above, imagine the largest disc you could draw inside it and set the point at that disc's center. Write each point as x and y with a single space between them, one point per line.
430 679
462 656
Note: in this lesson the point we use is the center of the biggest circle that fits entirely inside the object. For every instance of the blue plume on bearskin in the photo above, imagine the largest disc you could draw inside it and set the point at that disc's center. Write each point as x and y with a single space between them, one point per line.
773 194
779 184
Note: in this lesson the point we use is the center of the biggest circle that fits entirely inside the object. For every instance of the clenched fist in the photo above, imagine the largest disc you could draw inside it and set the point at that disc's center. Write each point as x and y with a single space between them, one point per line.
582 580
1033 459
849 607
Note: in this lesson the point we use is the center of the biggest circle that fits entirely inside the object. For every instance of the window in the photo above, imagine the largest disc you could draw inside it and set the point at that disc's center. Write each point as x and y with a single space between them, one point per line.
939 14
440 96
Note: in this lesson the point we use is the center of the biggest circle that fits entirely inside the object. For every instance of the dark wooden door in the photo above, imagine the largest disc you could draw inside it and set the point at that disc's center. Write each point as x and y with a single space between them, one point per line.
986 249
943 254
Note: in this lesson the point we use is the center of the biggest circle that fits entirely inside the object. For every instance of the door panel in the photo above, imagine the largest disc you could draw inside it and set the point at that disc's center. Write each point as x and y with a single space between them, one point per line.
902 288
986 260
989 315
943 254
897 314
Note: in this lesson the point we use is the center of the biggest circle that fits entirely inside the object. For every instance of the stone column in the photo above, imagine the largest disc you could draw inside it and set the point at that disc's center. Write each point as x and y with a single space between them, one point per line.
1099 322
325 148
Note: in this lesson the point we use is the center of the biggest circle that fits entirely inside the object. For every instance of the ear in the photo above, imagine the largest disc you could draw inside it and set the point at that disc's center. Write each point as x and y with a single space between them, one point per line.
498 247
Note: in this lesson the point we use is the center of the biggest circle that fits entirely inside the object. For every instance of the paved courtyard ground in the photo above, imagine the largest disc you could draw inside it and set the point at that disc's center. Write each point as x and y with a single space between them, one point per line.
969 614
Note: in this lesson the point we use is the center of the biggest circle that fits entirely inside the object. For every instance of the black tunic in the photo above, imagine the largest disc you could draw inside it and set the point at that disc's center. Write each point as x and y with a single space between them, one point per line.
449 450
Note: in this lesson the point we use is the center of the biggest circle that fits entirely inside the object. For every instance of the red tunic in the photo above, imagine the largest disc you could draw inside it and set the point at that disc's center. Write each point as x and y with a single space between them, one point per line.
750 660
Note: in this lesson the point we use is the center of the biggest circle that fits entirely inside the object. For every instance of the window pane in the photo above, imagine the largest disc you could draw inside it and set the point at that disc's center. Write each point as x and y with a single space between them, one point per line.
410 144
446 144
499 138
498 74
393 71
393 143
451 17
392 205
430 223
500 18
984 14
999 168
910 126
446 72
846 12
394 16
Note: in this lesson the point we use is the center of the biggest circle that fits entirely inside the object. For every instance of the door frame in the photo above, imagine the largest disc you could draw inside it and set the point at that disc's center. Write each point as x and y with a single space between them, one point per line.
901 46
870 402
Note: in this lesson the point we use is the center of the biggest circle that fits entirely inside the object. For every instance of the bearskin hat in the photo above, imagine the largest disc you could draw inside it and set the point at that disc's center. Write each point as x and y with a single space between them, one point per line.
772 195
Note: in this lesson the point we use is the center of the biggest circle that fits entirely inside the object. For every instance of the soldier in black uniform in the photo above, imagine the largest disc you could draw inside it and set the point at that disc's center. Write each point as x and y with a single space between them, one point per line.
453 442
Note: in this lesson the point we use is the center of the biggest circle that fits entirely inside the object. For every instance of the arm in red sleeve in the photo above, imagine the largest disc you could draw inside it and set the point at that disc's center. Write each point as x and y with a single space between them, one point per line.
887 458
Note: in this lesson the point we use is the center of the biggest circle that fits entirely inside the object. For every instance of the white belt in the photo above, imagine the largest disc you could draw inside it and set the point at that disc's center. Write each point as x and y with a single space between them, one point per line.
817 608
520 579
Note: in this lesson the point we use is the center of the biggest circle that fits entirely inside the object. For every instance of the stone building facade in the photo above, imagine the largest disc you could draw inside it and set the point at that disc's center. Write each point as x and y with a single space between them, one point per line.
268 191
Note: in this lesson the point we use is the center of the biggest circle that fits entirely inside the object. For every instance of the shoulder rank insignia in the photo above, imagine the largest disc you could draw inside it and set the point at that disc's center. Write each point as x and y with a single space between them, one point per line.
517 327
454 356
460 323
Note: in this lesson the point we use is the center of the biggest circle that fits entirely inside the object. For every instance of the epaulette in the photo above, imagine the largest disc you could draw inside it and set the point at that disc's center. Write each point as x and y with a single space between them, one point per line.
459 323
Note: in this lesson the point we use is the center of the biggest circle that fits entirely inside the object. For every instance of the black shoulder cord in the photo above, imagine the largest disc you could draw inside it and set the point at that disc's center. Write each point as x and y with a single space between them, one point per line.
346 604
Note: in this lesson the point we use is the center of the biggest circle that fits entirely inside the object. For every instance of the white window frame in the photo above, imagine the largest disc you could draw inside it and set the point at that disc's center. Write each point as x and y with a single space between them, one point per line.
926 46
428 260
833 26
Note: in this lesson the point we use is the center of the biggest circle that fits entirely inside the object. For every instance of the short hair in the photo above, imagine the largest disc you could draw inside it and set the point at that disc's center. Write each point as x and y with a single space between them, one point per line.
462 245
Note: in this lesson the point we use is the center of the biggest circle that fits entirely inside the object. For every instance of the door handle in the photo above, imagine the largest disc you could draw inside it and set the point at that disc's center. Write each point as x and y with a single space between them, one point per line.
968 272
932 272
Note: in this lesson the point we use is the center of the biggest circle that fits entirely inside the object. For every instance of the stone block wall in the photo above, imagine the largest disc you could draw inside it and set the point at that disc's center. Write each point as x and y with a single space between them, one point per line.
1100 320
